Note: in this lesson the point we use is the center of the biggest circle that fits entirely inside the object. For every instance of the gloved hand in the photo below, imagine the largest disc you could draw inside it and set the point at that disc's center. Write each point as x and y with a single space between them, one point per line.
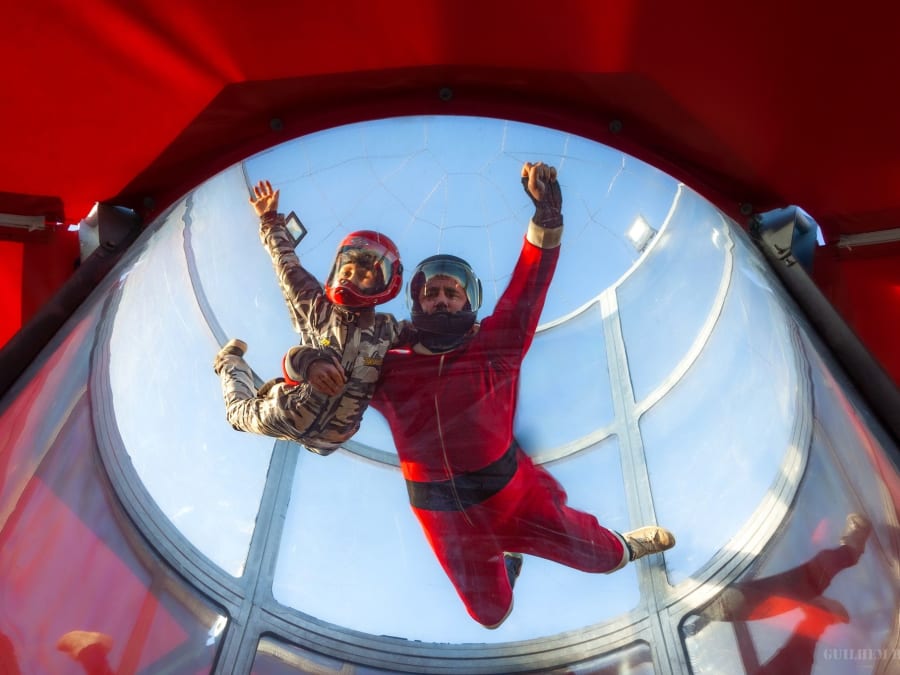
541 186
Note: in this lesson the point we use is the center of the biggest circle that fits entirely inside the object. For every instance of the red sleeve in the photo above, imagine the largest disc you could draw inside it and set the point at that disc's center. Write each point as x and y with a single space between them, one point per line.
508 332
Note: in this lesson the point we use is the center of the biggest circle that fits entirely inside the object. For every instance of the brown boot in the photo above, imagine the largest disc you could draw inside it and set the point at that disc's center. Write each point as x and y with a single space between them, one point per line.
646 540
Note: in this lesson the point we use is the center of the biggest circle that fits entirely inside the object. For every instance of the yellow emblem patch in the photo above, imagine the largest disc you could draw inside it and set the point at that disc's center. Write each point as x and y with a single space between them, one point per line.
372 361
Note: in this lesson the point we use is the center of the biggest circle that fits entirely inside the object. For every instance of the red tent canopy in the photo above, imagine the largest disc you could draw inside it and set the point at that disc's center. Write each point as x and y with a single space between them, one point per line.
756 105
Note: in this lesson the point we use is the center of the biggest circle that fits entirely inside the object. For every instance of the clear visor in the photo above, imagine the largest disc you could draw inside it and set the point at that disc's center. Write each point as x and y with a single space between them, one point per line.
460 273
366 265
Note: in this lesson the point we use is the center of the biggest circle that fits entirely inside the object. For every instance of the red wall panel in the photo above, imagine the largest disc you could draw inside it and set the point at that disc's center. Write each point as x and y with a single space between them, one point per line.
33 265
11 256
863 284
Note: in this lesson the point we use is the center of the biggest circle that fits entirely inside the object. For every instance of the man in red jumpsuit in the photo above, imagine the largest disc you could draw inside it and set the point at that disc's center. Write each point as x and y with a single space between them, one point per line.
450 402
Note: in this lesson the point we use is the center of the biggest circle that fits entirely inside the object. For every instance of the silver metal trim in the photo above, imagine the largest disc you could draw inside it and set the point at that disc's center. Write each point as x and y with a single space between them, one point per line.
848 241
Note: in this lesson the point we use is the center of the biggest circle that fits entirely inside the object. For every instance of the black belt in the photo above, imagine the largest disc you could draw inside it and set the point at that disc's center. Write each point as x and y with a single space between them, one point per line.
466 489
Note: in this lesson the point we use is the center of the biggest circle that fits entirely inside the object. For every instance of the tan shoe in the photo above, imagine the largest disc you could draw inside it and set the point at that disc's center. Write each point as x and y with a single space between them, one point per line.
646 540
233 347
856 533
76 641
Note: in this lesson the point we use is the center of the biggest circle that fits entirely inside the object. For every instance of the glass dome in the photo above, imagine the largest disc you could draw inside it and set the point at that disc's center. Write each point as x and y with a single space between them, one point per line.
681 386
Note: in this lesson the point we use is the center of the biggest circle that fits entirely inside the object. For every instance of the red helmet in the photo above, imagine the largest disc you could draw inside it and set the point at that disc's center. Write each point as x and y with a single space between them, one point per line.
366 271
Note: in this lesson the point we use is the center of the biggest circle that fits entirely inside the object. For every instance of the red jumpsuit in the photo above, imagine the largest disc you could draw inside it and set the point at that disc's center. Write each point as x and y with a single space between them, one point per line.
475 493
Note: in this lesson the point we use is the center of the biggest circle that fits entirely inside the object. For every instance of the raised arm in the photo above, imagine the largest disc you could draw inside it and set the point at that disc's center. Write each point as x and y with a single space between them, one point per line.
511 327
264 199
539 181
299 288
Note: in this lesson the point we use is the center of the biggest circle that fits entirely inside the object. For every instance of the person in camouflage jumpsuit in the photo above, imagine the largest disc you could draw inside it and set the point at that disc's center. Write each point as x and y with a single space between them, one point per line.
318 407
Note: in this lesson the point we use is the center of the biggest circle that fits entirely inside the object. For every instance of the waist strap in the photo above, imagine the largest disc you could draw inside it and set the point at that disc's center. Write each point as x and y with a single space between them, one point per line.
466 489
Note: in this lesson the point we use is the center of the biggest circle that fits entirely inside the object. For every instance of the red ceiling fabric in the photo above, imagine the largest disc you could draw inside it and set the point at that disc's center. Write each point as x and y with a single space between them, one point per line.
780 104
864 285
759 104
11 256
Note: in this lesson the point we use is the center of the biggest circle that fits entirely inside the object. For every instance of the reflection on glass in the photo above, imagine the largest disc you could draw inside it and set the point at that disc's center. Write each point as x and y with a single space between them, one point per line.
61 555
30 421
797 590
814 603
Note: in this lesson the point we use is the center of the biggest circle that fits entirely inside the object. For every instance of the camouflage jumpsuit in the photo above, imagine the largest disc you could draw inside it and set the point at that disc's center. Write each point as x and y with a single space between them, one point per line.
357 338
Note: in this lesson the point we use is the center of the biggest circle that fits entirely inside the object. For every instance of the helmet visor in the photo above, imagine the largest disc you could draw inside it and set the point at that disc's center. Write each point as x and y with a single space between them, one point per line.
366 265
457 270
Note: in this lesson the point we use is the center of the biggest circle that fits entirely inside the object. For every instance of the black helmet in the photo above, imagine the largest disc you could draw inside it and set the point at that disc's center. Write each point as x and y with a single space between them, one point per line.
444 323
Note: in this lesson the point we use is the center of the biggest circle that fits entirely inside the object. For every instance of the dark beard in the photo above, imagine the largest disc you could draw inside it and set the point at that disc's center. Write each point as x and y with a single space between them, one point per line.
441 342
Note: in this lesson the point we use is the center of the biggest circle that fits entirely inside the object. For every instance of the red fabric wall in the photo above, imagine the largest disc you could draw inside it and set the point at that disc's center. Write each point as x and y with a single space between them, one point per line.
33 265
863 284
11 256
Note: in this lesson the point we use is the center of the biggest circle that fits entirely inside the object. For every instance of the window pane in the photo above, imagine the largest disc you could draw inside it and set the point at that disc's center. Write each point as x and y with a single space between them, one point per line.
665 301
206 478
726 427
564 391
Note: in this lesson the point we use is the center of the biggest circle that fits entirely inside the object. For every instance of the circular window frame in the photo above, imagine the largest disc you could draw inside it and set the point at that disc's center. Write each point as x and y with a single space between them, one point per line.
252 611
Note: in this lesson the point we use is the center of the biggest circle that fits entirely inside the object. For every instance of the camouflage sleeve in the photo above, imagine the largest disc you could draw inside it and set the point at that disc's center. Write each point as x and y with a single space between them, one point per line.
299 288
406 334
396 333
297 361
